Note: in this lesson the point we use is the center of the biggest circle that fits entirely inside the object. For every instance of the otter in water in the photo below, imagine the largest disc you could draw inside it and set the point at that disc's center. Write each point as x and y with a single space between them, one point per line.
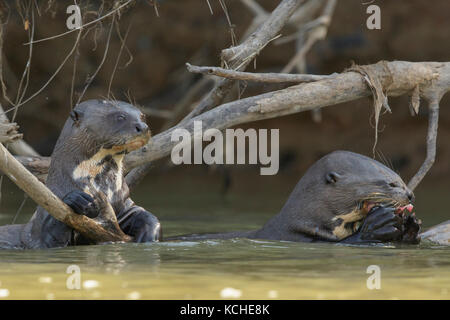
88 156
343 197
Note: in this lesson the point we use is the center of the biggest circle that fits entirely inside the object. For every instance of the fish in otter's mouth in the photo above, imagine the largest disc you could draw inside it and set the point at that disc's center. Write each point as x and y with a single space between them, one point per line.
368 205
131 144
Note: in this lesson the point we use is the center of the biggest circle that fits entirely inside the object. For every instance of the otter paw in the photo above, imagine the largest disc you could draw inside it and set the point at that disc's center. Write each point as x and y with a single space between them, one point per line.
145 227
80 202
380 225
411 228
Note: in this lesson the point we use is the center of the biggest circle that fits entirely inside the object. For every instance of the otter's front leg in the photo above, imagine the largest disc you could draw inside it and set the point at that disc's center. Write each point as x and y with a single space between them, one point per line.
137 222
56 233
380 225
81 203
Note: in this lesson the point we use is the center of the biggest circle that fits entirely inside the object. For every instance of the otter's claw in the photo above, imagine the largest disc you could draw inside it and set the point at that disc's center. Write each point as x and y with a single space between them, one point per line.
81 203
380 225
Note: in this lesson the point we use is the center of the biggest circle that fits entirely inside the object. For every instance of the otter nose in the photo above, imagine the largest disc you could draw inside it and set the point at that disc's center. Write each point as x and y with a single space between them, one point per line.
141 127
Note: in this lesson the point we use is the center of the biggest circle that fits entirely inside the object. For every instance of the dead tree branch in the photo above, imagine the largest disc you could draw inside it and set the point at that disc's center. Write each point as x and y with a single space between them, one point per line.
13 138
238 57
317 30
258 77
396 78
433 117
9 132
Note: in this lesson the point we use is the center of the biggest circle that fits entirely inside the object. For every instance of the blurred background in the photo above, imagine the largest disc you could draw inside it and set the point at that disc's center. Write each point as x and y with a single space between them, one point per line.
141 58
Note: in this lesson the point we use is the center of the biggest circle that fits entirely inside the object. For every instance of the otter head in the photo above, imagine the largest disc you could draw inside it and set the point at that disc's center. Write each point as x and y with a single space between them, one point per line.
338 191
92 144
115 127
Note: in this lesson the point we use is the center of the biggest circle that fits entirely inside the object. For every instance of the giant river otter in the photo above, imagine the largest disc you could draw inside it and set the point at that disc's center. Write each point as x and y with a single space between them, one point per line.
88 154
343 197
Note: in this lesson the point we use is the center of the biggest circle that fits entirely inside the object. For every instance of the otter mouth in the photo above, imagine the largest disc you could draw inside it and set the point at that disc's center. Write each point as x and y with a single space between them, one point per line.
367 205
132 144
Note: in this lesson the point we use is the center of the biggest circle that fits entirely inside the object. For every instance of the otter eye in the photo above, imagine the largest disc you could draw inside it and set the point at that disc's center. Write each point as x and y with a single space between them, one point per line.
332 177
393 185
121 117
75 115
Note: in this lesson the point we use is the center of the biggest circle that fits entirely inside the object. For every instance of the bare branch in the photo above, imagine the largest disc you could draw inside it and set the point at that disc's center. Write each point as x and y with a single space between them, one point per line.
91 78
240 56
396 78
246 52
16 145
9 132
318 31
51 77
433 117
401 77
258 77
83 26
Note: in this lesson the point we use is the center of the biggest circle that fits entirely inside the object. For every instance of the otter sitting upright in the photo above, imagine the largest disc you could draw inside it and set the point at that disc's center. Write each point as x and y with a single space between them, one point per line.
89 154
343 197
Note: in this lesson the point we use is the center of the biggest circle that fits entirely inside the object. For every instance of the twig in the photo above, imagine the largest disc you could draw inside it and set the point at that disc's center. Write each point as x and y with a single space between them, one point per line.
26 72
25 197
91 78
241 55
17 146
123 40
230 25
398 77
9 132
433 117
83 26
305 12
74 73
258 77
187 101
249 49
210 8
347 86
51 77
318 32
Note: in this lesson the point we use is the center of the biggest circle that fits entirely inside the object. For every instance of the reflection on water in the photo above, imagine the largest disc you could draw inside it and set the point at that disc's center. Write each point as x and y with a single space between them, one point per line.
191 270
259 269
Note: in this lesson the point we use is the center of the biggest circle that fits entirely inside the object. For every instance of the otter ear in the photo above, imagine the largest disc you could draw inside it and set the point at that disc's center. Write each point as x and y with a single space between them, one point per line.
76 116
332 177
